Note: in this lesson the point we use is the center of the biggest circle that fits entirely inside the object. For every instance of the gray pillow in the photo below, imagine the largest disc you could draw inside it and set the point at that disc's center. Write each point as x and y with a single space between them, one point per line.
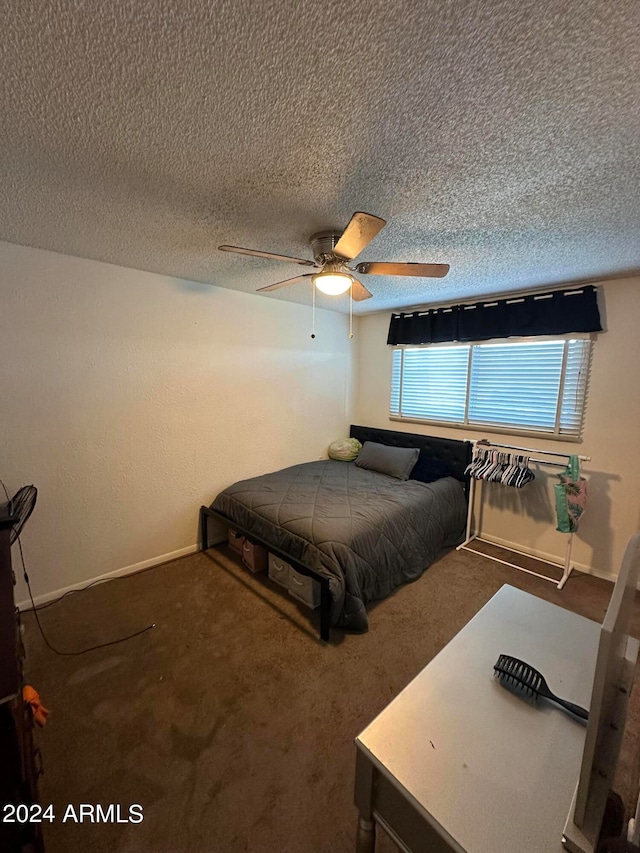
394 461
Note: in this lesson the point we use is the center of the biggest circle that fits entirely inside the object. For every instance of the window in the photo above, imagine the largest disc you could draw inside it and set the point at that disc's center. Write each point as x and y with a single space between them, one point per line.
526 386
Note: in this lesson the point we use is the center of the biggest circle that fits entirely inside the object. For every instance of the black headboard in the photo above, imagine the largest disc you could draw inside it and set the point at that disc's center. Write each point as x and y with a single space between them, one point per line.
454 455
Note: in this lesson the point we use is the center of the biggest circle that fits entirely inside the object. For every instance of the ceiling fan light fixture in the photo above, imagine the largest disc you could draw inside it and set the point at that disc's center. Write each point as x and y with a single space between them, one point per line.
333 250
332 283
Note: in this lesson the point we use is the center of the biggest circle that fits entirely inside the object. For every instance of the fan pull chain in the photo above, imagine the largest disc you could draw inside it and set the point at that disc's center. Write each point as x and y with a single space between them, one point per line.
313 310
351 311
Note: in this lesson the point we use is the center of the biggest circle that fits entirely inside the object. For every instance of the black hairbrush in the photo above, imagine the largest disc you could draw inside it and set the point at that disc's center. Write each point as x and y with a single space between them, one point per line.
519 675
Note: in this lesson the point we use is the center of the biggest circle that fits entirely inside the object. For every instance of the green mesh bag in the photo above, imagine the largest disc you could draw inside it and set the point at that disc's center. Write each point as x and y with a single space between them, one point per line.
345 449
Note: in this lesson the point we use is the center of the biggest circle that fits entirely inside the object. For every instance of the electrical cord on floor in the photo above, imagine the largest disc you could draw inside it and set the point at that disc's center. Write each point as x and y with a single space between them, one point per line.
53 601
46 639
69 592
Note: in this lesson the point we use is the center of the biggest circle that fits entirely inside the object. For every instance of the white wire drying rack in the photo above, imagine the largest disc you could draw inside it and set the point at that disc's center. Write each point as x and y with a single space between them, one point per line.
476 536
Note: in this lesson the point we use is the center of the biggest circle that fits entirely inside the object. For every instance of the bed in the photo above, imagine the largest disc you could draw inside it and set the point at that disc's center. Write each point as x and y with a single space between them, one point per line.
358 533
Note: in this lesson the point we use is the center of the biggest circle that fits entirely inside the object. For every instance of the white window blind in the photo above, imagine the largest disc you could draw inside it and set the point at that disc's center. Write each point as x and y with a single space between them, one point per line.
396 372
530 385
516 384
433 382
574 392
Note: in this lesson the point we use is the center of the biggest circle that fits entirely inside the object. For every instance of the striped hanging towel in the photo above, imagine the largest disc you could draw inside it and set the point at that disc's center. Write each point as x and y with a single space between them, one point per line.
571 497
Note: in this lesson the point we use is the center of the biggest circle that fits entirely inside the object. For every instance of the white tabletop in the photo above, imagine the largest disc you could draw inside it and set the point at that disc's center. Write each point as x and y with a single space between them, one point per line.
494 772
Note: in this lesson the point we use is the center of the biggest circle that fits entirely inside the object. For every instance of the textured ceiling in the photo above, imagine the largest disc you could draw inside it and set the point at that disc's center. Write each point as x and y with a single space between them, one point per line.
502 138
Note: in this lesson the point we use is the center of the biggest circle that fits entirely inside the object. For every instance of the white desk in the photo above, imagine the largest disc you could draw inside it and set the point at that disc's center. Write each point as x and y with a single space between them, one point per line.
458 763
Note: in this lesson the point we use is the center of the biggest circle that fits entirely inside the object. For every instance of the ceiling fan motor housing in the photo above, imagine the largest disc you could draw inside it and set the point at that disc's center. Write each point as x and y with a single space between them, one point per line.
323 244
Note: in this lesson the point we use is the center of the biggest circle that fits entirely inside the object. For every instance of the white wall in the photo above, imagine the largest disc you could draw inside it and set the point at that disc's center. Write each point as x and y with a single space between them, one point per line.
527 517
130 398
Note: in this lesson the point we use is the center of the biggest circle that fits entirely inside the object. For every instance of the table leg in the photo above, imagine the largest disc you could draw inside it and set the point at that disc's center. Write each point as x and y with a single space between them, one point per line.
366 837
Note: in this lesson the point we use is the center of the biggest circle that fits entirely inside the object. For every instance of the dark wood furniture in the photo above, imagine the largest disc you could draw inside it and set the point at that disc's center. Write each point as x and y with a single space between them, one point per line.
9 669
20 763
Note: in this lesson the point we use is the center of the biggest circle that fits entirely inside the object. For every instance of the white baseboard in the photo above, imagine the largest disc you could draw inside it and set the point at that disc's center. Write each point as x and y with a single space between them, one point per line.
127 570
553 558
191 549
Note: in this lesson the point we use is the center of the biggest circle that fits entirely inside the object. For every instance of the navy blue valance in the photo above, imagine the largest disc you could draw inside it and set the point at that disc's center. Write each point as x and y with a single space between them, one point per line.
555 313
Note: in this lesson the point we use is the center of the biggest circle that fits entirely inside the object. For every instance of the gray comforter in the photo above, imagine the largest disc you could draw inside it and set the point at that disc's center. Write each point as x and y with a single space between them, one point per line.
368 532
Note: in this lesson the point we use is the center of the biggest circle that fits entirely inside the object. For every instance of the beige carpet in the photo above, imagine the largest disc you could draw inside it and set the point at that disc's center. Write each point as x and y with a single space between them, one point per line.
230 722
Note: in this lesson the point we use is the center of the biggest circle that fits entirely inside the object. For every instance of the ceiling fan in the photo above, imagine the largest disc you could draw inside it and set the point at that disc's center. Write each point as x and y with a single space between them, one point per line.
333 250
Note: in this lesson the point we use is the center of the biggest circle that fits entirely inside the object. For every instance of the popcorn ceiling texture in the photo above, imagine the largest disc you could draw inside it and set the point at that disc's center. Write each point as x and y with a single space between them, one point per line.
500 137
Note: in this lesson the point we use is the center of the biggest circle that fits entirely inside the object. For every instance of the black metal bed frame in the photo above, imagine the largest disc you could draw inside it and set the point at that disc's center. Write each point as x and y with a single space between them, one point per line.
455 454
323 580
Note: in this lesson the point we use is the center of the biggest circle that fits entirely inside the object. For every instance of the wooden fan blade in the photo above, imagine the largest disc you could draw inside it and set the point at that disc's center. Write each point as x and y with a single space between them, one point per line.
421 270
360 231
359 291
256 253
285 282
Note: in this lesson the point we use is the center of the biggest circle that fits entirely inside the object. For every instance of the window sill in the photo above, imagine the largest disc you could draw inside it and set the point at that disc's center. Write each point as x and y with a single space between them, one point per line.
482 428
